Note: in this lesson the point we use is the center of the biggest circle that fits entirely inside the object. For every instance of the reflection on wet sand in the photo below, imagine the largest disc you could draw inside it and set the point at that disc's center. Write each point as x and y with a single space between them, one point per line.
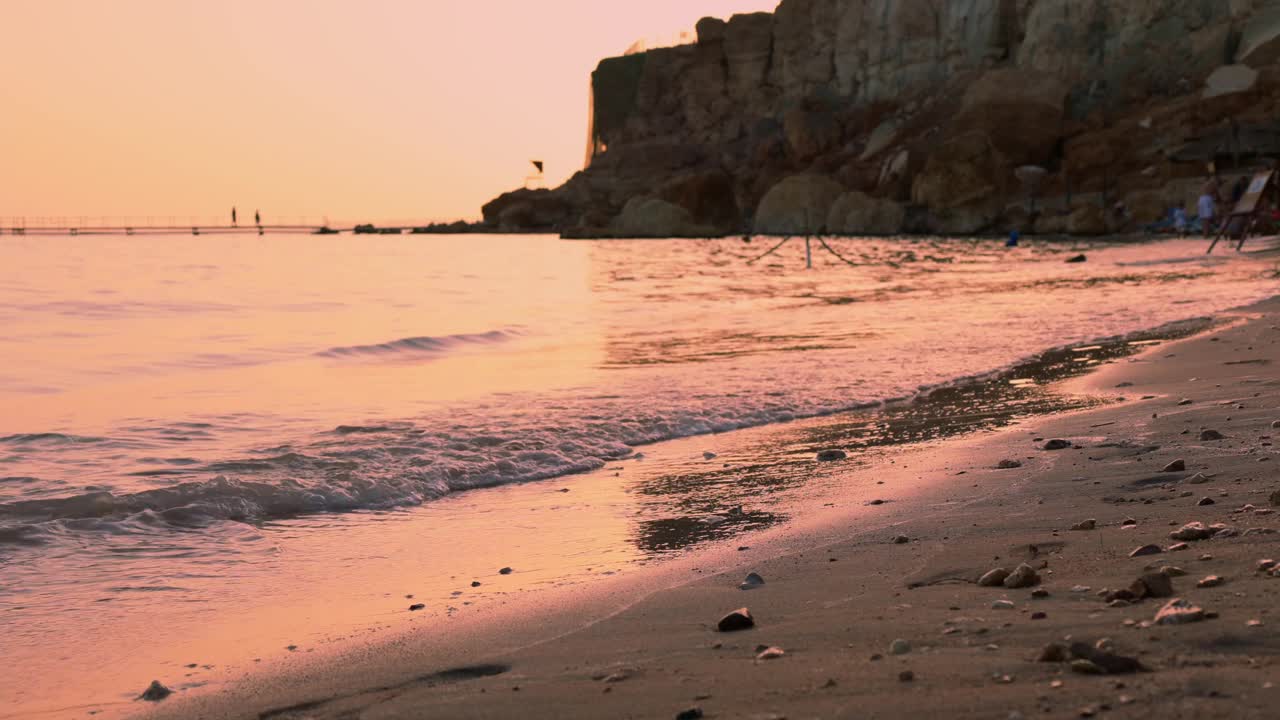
690 506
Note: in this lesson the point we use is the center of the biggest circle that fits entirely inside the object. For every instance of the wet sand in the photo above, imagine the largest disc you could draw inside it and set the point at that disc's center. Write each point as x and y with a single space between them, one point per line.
839 590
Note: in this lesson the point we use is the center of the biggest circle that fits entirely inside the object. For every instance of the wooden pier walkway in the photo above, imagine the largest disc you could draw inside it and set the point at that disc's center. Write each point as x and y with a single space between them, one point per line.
171 225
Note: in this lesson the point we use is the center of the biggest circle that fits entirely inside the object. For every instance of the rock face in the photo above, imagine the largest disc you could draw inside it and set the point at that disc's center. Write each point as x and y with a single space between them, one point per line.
933 103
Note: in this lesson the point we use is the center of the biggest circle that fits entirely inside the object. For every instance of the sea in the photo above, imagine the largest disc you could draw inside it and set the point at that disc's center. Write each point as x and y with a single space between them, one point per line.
219 450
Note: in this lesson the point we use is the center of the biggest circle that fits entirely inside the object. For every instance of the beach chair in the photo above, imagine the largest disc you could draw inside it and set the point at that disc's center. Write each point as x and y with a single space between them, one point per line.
1249 210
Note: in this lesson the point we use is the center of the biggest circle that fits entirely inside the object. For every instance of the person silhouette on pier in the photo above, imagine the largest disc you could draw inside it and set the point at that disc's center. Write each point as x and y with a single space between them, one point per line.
233 216
257 219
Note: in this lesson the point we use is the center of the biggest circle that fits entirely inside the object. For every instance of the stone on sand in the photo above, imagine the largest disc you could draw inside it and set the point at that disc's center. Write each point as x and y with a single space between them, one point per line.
1206 501
1024 576
693 713
1003 605
1192 532
416 607
1275 498
1146 550
752 581
899 647
1105 660
1008 465
1211 581
1197 479
901 540
1208 435
1156 585
993 578
1057 444
1175 466
771 653
155 692
832 455
739 619
1089 524
1179 612
1053 653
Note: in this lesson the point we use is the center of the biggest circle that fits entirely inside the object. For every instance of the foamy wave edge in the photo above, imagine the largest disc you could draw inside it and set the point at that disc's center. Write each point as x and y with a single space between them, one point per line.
201 503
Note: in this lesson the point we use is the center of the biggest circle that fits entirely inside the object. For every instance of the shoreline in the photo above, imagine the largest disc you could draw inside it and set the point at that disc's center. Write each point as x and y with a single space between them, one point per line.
547 688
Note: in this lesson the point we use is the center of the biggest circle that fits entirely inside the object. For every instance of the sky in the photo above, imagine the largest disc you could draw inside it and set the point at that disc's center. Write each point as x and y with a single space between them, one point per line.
357 110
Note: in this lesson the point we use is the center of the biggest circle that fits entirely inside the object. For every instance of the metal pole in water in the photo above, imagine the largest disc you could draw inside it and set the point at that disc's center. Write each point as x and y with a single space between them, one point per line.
808 253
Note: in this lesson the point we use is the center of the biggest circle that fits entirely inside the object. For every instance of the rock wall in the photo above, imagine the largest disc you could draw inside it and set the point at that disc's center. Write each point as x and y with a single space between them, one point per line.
932 104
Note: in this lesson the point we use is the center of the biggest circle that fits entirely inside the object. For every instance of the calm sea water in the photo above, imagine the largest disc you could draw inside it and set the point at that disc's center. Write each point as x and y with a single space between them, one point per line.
185 414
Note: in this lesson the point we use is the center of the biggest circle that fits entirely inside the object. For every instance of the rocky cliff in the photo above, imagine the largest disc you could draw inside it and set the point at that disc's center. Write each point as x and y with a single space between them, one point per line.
879 116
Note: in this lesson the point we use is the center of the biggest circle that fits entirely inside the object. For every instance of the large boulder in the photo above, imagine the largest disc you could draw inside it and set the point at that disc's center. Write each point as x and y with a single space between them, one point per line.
650 217
1229 80
1087 220
964 171
708 195
1260 37
967 220
1148 206
799 205
527 210
856 213
1020 110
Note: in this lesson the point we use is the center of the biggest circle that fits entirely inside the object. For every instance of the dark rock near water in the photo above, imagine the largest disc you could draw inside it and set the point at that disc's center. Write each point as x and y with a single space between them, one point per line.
155 692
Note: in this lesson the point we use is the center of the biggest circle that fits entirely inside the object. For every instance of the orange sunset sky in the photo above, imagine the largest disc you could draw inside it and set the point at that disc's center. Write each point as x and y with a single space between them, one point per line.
377 109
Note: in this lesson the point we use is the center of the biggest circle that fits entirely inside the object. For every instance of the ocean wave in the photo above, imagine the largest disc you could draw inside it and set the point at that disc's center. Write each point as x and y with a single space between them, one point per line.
48 438
425 345
378 466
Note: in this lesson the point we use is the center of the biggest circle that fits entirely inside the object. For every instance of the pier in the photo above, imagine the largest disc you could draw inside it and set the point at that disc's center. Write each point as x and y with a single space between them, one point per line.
170 225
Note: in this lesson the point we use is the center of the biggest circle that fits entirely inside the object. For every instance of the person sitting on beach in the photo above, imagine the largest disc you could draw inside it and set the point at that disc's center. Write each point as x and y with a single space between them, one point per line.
1208 205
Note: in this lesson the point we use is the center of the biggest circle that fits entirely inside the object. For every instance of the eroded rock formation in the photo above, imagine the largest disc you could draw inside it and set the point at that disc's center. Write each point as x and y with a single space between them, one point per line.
878 116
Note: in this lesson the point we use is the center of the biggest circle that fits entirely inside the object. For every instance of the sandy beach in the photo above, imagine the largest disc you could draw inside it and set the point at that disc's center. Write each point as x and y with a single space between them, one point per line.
841 590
